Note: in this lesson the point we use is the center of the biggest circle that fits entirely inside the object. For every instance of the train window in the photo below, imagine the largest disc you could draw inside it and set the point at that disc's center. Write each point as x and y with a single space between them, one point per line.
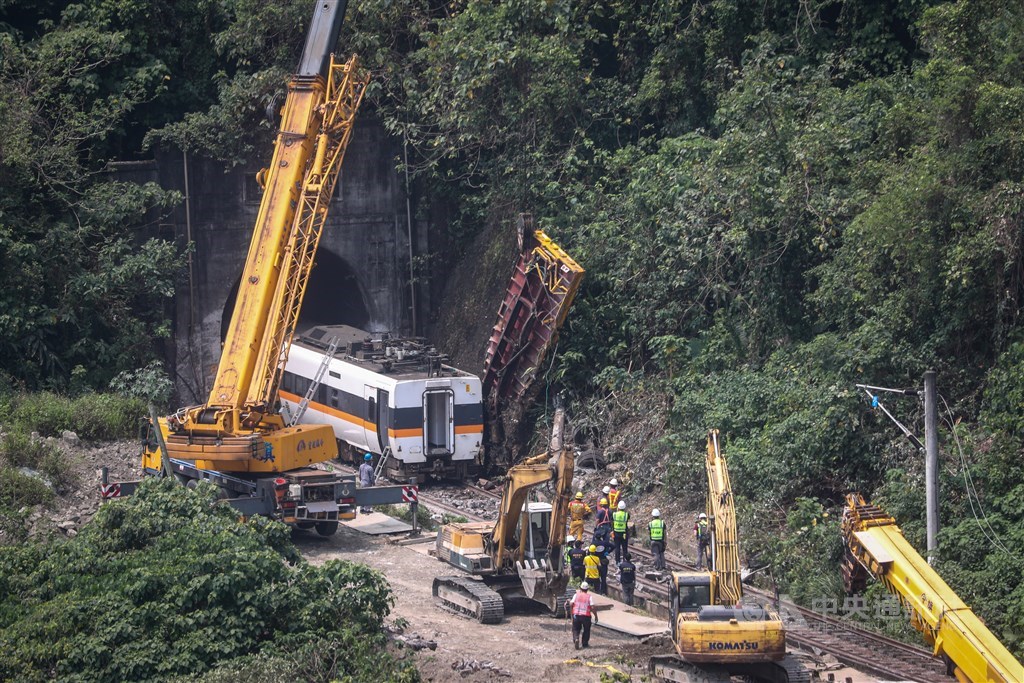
334 397
286 381
335 375
371 410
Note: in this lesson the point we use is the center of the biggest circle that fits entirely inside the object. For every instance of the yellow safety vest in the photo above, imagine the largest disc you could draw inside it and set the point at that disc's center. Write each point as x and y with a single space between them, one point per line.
657 527
620 518
592 567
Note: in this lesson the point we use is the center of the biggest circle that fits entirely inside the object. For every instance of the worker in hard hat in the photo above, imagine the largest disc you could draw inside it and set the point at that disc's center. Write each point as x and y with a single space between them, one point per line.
612 491
592 566
578 509
576 556
656 530
581 607
366 478
702 534
620 530
569 540
602 524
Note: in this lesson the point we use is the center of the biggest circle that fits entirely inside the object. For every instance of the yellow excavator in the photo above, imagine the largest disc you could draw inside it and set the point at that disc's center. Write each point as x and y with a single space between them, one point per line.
716 633
875 546
519 555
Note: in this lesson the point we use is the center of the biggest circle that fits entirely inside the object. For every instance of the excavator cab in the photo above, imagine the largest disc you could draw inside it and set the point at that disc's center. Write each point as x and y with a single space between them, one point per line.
539 516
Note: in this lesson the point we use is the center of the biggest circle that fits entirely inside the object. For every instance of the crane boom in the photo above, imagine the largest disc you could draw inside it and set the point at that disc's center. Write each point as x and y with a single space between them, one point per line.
239 428
875 545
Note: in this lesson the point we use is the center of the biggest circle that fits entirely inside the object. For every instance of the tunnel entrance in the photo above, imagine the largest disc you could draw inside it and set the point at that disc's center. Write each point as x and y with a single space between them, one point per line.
332 297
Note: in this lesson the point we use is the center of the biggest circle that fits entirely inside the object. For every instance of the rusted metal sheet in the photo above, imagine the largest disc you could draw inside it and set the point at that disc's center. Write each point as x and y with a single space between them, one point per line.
539 294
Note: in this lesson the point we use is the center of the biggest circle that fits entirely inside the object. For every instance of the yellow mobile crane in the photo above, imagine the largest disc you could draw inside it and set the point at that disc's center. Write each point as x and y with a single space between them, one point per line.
519 555
715 632
876 546
238 439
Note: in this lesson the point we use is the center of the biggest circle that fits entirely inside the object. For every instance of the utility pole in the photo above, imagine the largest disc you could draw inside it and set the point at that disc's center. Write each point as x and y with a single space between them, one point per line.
931 464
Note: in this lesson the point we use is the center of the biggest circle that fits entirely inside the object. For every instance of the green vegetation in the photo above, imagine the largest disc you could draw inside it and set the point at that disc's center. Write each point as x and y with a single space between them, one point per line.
773 201
169 584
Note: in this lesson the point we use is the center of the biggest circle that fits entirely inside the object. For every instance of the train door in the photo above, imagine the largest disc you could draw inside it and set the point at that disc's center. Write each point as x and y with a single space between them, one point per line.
438 422
375 422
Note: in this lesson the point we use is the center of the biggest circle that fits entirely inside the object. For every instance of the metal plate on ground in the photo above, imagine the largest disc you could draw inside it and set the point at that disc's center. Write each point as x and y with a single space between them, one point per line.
620 617
375 523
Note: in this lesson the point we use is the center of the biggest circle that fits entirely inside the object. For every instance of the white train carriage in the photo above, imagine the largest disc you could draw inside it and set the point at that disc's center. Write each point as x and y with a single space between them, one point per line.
394 398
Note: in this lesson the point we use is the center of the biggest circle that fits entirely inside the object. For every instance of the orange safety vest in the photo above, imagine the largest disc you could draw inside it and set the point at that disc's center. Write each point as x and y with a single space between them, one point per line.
577 509
613 499
581 604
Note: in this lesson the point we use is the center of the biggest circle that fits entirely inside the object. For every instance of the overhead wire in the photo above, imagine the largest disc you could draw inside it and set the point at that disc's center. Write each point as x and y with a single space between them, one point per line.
972 492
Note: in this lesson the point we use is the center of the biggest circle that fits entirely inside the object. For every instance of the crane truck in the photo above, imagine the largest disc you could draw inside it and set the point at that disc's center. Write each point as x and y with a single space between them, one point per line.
716 633
875 546
238 439
520 554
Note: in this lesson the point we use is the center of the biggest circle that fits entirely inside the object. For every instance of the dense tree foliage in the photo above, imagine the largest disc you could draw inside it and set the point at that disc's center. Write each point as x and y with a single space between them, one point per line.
169 584
773 201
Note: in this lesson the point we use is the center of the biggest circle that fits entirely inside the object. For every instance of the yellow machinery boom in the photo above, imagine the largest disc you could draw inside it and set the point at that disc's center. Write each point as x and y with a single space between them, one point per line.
876 546
716 635
239 428
520 554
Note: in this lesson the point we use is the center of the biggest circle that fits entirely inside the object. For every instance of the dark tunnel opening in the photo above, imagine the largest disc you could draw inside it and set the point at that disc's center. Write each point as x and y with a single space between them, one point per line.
332 297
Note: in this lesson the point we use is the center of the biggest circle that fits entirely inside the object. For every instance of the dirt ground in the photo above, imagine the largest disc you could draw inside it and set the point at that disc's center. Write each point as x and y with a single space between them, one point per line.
526 646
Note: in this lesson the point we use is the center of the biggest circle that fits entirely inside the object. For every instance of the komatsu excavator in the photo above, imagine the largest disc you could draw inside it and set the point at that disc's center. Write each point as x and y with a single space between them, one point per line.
519 555
716 633
876 547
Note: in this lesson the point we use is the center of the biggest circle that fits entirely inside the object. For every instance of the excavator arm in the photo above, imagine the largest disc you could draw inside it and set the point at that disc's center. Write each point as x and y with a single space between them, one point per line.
875 546
726 588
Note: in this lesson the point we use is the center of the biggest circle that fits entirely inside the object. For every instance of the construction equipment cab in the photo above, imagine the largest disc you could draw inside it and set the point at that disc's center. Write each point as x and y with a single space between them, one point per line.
519 555
716 633
238 440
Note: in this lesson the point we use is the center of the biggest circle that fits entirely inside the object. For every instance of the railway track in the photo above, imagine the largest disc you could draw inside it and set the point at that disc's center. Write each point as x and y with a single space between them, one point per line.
813 631
819 633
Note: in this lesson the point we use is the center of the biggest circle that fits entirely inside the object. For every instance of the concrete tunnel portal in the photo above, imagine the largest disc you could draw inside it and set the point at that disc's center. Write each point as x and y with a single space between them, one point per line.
333 297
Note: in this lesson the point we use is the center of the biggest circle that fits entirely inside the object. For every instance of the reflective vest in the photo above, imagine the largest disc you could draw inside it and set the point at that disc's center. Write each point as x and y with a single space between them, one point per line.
613 498
702 530
577 509
593 566
581 604
657 527
620 519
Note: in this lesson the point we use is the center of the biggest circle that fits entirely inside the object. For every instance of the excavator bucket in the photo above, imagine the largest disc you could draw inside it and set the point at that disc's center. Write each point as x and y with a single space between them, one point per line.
542 585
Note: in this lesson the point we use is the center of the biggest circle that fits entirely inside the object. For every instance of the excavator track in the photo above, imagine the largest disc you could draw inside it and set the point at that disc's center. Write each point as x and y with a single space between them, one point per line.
672 668
470 598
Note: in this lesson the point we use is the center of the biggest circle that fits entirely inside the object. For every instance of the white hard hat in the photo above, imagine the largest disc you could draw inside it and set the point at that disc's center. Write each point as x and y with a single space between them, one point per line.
606 489
585 586
622 505
655 512
615 482
702 516
570 538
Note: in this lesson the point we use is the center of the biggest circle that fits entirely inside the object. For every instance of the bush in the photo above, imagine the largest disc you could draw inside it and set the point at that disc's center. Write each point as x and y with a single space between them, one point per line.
169 584
19 490
20 450
91 416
